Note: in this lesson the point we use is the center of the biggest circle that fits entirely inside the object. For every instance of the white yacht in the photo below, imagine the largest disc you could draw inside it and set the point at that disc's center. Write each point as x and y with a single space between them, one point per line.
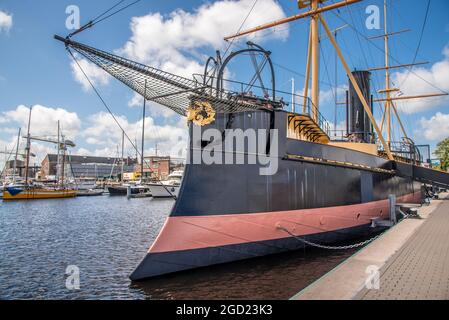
168 188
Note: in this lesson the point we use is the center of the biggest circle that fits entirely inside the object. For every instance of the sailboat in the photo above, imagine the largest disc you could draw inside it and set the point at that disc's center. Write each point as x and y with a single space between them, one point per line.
137 189
31 191
323 191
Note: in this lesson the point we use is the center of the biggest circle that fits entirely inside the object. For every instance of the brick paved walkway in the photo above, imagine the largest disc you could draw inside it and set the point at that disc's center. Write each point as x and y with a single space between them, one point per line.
420 270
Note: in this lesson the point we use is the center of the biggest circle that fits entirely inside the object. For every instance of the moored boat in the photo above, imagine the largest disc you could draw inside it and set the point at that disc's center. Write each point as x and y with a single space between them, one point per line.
34 193
89 192
121 190
167 188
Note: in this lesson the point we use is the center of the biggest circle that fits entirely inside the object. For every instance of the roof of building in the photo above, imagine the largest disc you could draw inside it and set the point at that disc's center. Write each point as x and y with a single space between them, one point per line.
89 159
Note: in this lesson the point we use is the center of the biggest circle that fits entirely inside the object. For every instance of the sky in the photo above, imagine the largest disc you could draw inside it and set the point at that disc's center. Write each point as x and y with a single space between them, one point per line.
179 36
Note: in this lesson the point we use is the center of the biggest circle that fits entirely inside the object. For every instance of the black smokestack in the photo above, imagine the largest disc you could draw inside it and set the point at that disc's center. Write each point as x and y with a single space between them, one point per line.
360 127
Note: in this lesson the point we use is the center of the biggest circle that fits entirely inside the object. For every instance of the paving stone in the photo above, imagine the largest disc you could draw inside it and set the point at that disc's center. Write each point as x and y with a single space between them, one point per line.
420 270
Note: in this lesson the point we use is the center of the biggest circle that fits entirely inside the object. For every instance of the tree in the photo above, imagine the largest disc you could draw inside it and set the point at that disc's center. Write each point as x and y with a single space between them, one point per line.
442 153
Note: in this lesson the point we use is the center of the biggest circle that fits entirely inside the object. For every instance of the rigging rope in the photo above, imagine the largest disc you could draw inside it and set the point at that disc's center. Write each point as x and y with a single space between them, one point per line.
7 159
100 17
382 50
241 26
111 8
105 104
419 42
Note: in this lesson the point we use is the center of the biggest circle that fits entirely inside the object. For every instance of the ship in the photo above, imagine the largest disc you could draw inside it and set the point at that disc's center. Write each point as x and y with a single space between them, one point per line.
168 188
122 190
322 190
28 190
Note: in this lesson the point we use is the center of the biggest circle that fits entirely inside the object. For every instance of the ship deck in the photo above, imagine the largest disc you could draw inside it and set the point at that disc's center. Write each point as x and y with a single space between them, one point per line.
412 259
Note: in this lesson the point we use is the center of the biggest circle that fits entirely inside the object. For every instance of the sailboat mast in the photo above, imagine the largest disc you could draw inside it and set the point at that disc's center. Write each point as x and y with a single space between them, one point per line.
57 158
387 77
293 94
143 131
28 146
15 158
64 148
123 148
315 91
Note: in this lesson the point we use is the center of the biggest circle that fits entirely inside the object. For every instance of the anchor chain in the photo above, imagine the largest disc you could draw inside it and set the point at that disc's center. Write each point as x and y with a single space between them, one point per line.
321 246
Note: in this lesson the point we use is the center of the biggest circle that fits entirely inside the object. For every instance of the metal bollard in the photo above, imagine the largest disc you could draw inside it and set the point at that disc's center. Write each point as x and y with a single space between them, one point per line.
392 202
128 192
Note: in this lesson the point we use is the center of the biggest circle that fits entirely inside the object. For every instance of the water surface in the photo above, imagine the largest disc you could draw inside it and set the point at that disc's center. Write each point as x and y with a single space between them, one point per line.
106 237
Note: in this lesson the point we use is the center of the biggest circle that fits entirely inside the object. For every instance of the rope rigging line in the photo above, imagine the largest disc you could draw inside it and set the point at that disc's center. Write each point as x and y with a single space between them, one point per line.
104 103
382 50
241 26
419 42
7 159
328 74
107 11
377 82
100 17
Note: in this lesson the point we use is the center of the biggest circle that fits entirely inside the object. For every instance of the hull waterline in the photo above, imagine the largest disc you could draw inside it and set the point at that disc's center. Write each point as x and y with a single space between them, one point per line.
230 212
192 242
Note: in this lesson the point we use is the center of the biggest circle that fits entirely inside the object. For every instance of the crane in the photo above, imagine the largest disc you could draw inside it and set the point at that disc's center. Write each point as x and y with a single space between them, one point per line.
19 154
62 145
9 153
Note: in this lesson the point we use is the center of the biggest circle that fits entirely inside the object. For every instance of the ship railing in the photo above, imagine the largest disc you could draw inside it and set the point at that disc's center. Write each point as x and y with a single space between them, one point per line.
288 101
338 135
405 151
361 137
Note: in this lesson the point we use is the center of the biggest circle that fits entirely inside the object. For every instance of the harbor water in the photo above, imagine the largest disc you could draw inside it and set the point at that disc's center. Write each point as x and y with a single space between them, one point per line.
106 237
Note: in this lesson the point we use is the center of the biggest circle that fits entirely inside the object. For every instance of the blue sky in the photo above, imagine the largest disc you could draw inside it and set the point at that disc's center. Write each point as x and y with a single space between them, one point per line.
36 70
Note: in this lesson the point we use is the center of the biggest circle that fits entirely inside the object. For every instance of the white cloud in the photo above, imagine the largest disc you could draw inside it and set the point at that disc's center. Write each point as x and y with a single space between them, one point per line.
436 128
413 84
43 120
326 96
43 123
5 21
152 108
97 75
103 134
172 42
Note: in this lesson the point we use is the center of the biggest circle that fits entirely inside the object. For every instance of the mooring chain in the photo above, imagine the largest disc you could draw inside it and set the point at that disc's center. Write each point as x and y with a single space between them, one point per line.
317 245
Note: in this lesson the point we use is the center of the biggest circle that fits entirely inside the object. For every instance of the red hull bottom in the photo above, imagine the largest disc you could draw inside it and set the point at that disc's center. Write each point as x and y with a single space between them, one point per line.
187 242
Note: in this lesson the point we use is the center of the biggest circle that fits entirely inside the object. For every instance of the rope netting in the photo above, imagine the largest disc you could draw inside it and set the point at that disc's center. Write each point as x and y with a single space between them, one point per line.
172 91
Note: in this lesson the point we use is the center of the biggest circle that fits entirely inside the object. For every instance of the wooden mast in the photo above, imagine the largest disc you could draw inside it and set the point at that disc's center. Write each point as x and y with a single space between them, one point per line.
58 156
315 13
306 81
365 104
387 77
15 158
315 42
293 18
28 147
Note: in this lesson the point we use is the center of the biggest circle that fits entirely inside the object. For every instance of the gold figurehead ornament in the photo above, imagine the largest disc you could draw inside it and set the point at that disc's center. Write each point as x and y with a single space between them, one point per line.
201 113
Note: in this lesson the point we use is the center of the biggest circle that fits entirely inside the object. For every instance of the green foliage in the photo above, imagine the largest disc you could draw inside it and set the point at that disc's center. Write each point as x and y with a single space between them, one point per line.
442 153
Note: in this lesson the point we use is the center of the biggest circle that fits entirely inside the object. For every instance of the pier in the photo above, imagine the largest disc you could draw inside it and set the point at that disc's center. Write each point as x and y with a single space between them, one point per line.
412 259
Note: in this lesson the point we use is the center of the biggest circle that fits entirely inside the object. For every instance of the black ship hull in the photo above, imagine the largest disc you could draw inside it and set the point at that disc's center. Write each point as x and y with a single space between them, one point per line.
228 212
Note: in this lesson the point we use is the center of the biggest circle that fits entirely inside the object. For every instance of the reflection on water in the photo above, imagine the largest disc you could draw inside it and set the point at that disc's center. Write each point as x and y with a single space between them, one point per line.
106 237
274 277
